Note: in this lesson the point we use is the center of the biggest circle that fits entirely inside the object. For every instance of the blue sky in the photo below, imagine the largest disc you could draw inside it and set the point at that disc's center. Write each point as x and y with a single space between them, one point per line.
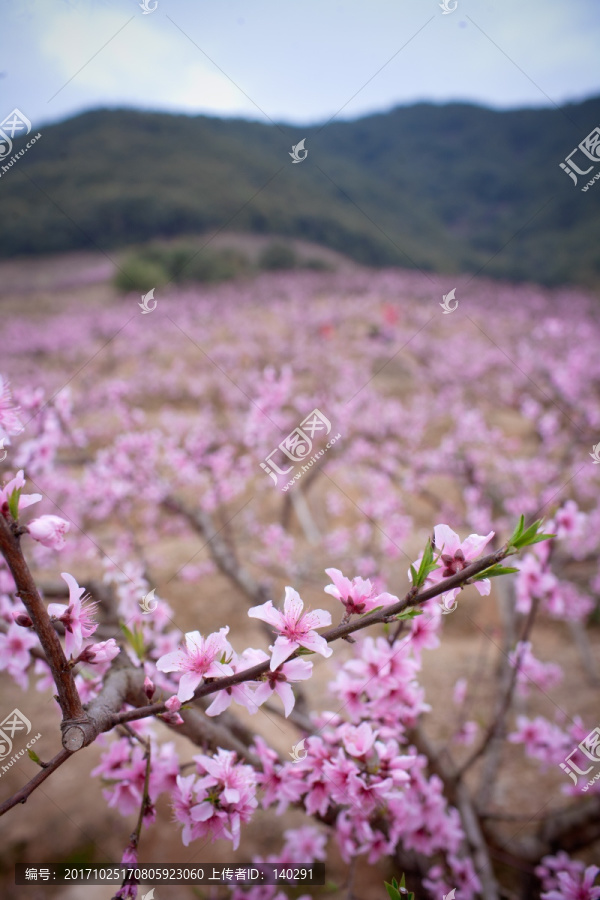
300 61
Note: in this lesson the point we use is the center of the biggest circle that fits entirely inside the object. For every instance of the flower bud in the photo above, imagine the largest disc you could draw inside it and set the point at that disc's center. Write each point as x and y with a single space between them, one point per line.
149 688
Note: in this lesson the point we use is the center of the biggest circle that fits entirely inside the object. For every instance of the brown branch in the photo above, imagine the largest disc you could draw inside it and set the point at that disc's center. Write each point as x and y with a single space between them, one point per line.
381 617
22 795
495 729
75 726
221 553
458 795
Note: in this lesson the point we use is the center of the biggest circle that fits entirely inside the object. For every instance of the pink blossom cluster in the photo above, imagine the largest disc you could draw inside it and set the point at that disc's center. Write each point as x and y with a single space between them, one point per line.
566 879
217 799
123 769
138 444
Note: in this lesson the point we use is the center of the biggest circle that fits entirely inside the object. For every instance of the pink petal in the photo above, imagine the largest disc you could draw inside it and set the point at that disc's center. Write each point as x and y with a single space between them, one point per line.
75 592
170 662
219 704
317 618
267 613
446 538
297 669
474 544
194 641
263 692
56 609
286 693
384 599
317 643
484 587
26 500
202 812
292 605
187 685
282 648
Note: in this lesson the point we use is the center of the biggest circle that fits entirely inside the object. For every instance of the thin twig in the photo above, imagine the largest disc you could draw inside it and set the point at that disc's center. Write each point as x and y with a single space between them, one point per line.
22 795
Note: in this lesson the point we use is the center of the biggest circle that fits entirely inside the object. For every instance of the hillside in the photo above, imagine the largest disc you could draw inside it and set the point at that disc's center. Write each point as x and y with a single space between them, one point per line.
454 188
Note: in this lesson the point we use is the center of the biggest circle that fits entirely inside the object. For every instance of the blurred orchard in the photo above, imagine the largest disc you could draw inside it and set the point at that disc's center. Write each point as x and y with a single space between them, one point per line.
339 671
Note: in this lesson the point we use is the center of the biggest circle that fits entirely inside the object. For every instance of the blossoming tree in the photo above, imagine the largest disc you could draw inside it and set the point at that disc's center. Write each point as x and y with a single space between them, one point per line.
365 769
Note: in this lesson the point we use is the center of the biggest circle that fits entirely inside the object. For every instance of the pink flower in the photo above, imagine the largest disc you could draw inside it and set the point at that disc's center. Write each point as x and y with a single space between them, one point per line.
456 556
241 693
358 741
571 887
279 683
104 651
201 657
9 420
17 484
460 691
569 521
77 617
49 531
149 687
173 704
358 596
295 627
14 652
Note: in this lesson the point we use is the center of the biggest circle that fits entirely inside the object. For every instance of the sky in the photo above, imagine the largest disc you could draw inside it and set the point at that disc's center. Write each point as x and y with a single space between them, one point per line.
297 61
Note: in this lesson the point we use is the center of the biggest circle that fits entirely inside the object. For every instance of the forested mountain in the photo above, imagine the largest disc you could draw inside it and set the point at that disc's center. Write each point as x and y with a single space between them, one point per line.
449 187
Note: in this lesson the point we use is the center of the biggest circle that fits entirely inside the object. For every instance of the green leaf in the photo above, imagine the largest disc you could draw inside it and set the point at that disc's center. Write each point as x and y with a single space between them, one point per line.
493 571
392 889
428 565
398 891
13 503
518 531
33 755
409 613
135 639
525 538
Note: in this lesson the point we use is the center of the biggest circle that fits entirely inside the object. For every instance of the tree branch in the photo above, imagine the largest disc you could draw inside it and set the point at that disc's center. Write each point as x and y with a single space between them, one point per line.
411 599
22 795
76 732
